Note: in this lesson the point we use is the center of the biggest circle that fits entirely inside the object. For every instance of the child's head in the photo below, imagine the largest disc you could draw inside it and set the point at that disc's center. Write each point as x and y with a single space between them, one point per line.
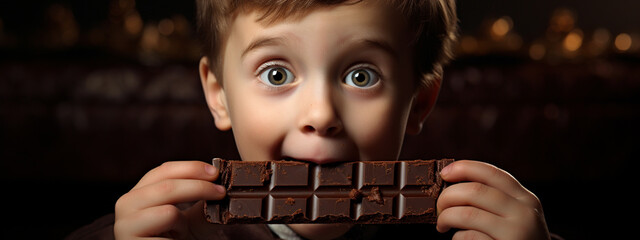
323 81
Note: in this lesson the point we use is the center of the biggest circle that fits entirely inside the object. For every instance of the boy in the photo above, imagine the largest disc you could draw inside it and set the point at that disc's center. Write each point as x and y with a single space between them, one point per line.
324 81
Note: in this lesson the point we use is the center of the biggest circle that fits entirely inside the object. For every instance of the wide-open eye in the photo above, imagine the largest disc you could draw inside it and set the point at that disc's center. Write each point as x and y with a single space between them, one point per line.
362 78
276 76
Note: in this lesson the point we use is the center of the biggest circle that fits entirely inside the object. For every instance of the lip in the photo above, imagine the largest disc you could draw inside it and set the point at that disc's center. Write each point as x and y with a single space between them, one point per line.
322 154
317 149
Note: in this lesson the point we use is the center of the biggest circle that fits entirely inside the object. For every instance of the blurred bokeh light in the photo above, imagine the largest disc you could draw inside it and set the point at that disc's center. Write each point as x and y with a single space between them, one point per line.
93 94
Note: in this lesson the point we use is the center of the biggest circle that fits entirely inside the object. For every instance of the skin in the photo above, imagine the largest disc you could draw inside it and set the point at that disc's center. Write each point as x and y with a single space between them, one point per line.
319 115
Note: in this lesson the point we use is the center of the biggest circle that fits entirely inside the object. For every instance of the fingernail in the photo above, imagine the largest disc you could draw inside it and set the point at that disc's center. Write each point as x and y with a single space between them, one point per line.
220 188
445 170
211 170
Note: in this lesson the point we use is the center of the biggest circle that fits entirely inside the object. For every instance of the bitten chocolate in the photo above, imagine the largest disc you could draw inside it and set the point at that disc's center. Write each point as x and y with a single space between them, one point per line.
374 192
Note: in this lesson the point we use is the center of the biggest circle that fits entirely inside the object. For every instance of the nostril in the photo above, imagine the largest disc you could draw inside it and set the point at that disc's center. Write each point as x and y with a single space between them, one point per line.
331 131
308 129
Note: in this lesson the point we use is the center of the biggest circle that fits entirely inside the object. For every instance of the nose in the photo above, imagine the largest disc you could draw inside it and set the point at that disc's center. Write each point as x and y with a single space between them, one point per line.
322 126
320 117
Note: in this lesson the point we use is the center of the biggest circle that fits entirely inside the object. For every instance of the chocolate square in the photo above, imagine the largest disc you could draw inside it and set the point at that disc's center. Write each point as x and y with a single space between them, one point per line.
377 173
418 173
248 173
245 208
284 209
287 173
330 208
416 206
335 174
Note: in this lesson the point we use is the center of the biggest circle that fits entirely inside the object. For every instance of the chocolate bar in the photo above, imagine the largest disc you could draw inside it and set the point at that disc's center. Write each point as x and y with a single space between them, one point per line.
349 192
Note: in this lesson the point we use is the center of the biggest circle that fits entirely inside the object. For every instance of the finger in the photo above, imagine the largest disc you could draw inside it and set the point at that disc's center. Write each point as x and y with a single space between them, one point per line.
171 191
477 195
152 222
179 170
485 173
470 234
469 218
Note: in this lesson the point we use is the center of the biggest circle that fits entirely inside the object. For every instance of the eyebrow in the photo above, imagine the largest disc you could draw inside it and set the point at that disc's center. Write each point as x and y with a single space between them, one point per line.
275 41
379 44
262 42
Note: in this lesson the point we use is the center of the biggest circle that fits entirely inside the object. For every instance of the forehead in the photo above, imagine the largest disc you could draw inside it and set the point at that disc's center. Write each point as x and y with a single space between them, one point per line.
326 26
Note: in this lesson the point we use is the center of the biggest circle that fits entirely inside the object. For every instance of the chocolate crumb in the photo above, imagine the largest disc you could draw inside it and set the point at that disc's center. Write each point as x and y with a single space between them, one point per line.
355 194
266 175
375 196
290 201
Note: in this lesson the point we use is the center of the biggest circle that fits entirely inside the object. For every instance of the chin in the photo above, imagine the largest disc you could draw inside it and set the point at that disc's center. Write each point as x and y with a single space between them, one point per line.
320 231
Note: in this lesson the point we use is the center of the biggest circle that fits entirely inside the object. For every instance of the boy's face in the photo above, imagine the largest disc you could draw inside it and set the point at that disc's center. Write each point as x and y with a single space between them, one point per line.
334 85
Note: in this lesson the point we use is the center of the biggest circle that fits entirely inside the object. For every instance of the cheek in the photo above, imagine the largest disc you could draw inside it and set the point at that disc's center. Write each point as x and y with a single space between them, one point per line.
257 130
377 127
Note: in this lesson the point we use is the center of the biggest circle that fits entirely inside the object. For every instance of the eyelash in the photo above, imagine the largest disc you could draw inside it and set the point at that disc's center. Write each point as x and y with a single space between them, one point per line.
363 66
267 65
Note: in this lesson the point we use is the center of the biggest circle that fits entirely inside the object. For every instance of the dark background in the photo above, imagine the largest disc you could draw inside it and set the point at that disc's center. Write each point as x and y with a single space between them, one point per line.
93 94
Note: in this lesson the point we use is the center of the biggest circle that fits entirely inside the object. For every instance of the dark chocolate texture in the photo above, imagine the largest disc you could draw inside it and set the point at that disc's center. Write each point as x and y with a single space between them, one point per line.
349 192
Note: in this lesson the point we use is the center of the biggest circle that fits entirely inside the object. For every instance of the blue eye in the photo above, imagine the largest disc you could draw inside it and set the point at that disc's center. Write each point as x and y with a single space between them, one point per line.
276 76
361 78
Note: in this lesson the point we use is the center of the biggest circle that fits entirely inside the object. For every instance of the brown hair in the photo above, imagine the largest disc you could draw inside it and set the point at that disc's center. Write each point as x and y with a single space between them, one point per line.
433 21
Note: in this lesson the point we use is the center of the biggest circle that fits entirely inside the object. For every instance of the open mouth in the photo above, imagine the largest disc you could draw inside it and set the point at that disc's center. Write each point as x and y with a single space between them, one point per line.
317 161
286 158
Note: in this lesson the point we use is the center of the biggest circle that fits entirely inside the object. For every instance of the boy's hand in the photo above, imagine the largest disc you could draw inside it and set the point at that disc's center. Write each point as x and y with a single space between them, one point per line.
149 209
488 203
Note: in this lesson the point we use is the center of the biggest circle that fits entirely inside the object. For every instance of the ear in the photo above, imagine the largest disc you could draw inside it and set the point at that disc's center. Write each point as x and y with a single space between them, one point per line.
214 94
423 102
